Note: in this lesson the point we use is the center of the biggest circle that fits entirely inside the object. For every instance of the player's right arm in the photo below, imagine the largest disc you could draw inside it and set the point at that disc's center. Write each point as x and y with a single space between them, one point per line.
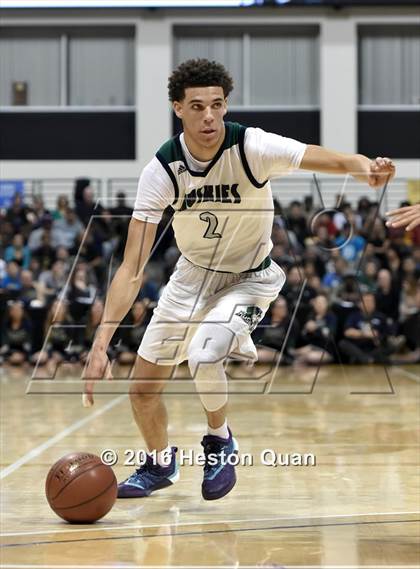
121 295
154 193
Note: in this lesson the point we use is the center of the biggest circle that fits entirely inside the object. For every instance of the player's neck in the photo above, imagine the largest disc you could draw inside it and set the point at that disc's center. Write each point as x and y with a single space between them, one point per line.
203 153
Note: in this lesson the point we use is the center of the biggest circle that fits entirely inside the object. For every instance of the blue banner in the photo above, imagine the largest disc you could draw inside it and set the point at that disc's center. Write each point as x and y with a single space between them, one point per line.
8 188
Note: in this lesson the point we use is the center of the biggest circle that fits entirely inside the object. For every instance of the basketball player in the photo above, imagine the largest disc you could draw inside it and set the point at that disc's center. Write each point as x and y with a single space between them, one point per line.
408 217
216 175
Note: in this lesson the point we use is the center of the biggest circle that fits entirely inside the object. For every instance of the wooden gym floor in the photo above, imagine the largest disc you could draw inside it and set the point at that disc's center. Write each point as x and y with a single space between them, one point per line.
358 506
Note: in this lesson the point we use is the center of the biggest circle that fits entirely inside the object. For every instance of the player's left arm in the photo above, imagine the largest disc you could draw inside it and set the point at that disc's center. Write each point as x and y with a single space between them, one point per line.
408 217
374 172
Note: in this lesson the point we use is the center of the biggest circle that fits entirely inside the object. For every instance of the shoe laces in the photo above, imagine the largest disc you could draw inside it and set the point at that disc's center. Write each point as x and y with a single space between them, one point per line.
148 471
211 447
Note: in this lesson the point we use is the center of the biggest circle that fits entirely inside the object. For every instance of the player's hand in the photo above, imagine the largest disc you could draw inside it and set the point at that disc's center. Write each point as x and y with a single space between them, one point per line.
97 367
381 170
408 217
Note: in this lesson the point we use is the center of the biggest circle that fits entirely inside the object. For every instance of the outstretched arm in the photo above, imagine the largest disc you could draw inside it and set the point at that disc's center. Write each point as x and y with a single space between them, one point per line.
121 295
373 172
408 217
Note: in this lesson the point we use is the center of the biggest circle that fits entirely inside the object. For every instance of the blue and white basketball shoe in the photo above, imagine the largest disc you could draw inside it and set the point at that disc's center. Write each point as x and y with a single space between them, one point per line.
149 477
219 475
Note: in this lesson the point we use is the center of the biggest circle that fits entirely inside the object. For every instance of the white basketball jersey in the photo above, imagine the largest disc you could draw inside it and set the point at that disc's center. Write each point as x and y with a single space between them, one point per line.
223 215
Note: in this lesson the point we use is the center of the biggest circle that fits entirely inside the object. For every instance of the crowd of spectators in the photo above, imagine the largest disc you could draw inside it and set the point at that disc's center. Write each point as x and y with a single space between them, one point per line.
352 292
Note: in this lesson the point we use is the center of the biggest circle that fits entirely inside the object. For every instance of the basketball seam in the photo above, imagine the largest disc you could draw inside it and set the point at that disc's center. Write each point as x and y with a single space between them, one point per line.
75 478
87 501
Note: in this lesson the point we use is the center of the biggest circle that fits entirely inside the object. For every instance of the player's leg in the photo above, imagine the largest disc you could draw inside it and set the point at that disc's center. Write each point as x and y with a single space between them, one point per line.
149 411
232 316
207 353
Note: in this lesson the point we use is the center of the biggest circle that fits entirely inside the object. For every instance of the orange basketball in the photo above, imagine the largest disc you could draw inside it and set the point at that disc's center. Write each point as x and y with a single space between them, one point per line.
80 488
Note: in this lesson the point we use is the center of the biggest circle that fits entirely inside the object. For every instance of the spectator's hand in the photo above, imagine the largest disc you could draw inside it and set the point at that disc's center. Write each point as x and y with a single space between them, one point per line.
370 333
408 217
97 367
310 326
381 170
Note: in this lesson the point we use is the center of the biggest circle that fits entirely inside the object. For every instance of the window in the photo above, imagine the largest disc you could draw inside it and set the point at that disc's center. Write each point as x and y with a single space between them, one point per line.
67 67
274 66
101 68
30 67
389 65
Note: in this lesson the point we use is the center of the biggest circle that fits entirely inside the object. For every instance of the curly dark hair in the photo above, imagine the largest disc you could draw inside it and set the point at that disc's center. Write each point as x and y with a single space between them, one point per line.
198 73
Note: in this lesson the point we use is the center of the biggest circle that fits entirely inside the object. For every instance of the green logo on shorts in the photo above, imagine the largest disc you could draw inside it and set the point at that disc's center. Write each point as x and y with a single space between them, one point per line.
252 315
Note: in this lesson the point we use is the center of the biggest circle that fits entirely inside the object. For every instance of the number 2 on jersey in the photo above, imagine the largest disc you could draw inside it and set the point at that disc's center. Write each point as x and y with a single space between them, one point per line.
213 222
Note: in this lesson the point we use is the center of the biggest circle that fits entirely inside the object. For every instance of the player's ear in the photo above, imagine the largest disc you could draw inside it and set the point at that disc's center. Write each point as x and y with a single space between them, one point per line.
177 107
225 106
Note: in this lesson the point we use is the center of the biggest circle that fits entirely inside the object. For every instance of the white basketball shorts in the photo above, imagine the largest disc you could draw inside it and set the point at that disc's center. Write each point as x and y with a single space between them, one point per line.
195 295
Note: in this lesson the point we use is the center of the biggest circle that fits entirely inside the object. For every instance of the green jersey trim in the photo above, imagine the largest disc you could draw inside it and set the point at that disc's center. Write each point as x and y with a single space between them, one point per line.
170 174
231 138
244 160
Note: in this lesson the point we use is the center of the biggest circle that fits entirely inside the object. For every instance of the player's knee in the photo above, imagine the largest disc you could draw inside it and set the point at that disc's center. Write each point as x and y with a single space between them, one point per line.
143 394
199 358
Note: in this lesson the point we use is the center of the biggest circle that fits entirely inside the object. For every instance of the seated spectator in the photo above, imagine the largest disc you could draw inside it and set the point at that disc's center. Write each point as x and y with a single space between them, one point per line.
293 289
11 283
296 221
408 268
121 215
94 319
81 295
37 212
132 332
17 215
2 269
89 250
408 298
393 261
66 230
314 282
369 274
152 277
28 292
53 281
323 239
365 334
271 334
410 329
350 246
363 207
62 254
376 237
16 343
121 207
317 334
387 295
336 269
416 258
58 335
45 253
61 208
7 232
315 256
18 252
35 236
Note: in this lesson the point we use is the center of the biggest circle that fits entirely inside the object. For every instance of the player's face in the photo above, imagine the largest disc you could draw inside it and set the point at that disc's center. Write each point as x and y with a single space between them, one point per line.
202 111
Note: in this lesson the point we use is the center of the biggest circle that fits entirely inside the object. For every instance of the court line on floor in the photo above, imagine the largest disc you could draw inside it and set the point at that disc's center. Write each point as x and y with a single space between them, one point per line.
58 437
409 374
204 533
125 566
209 522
